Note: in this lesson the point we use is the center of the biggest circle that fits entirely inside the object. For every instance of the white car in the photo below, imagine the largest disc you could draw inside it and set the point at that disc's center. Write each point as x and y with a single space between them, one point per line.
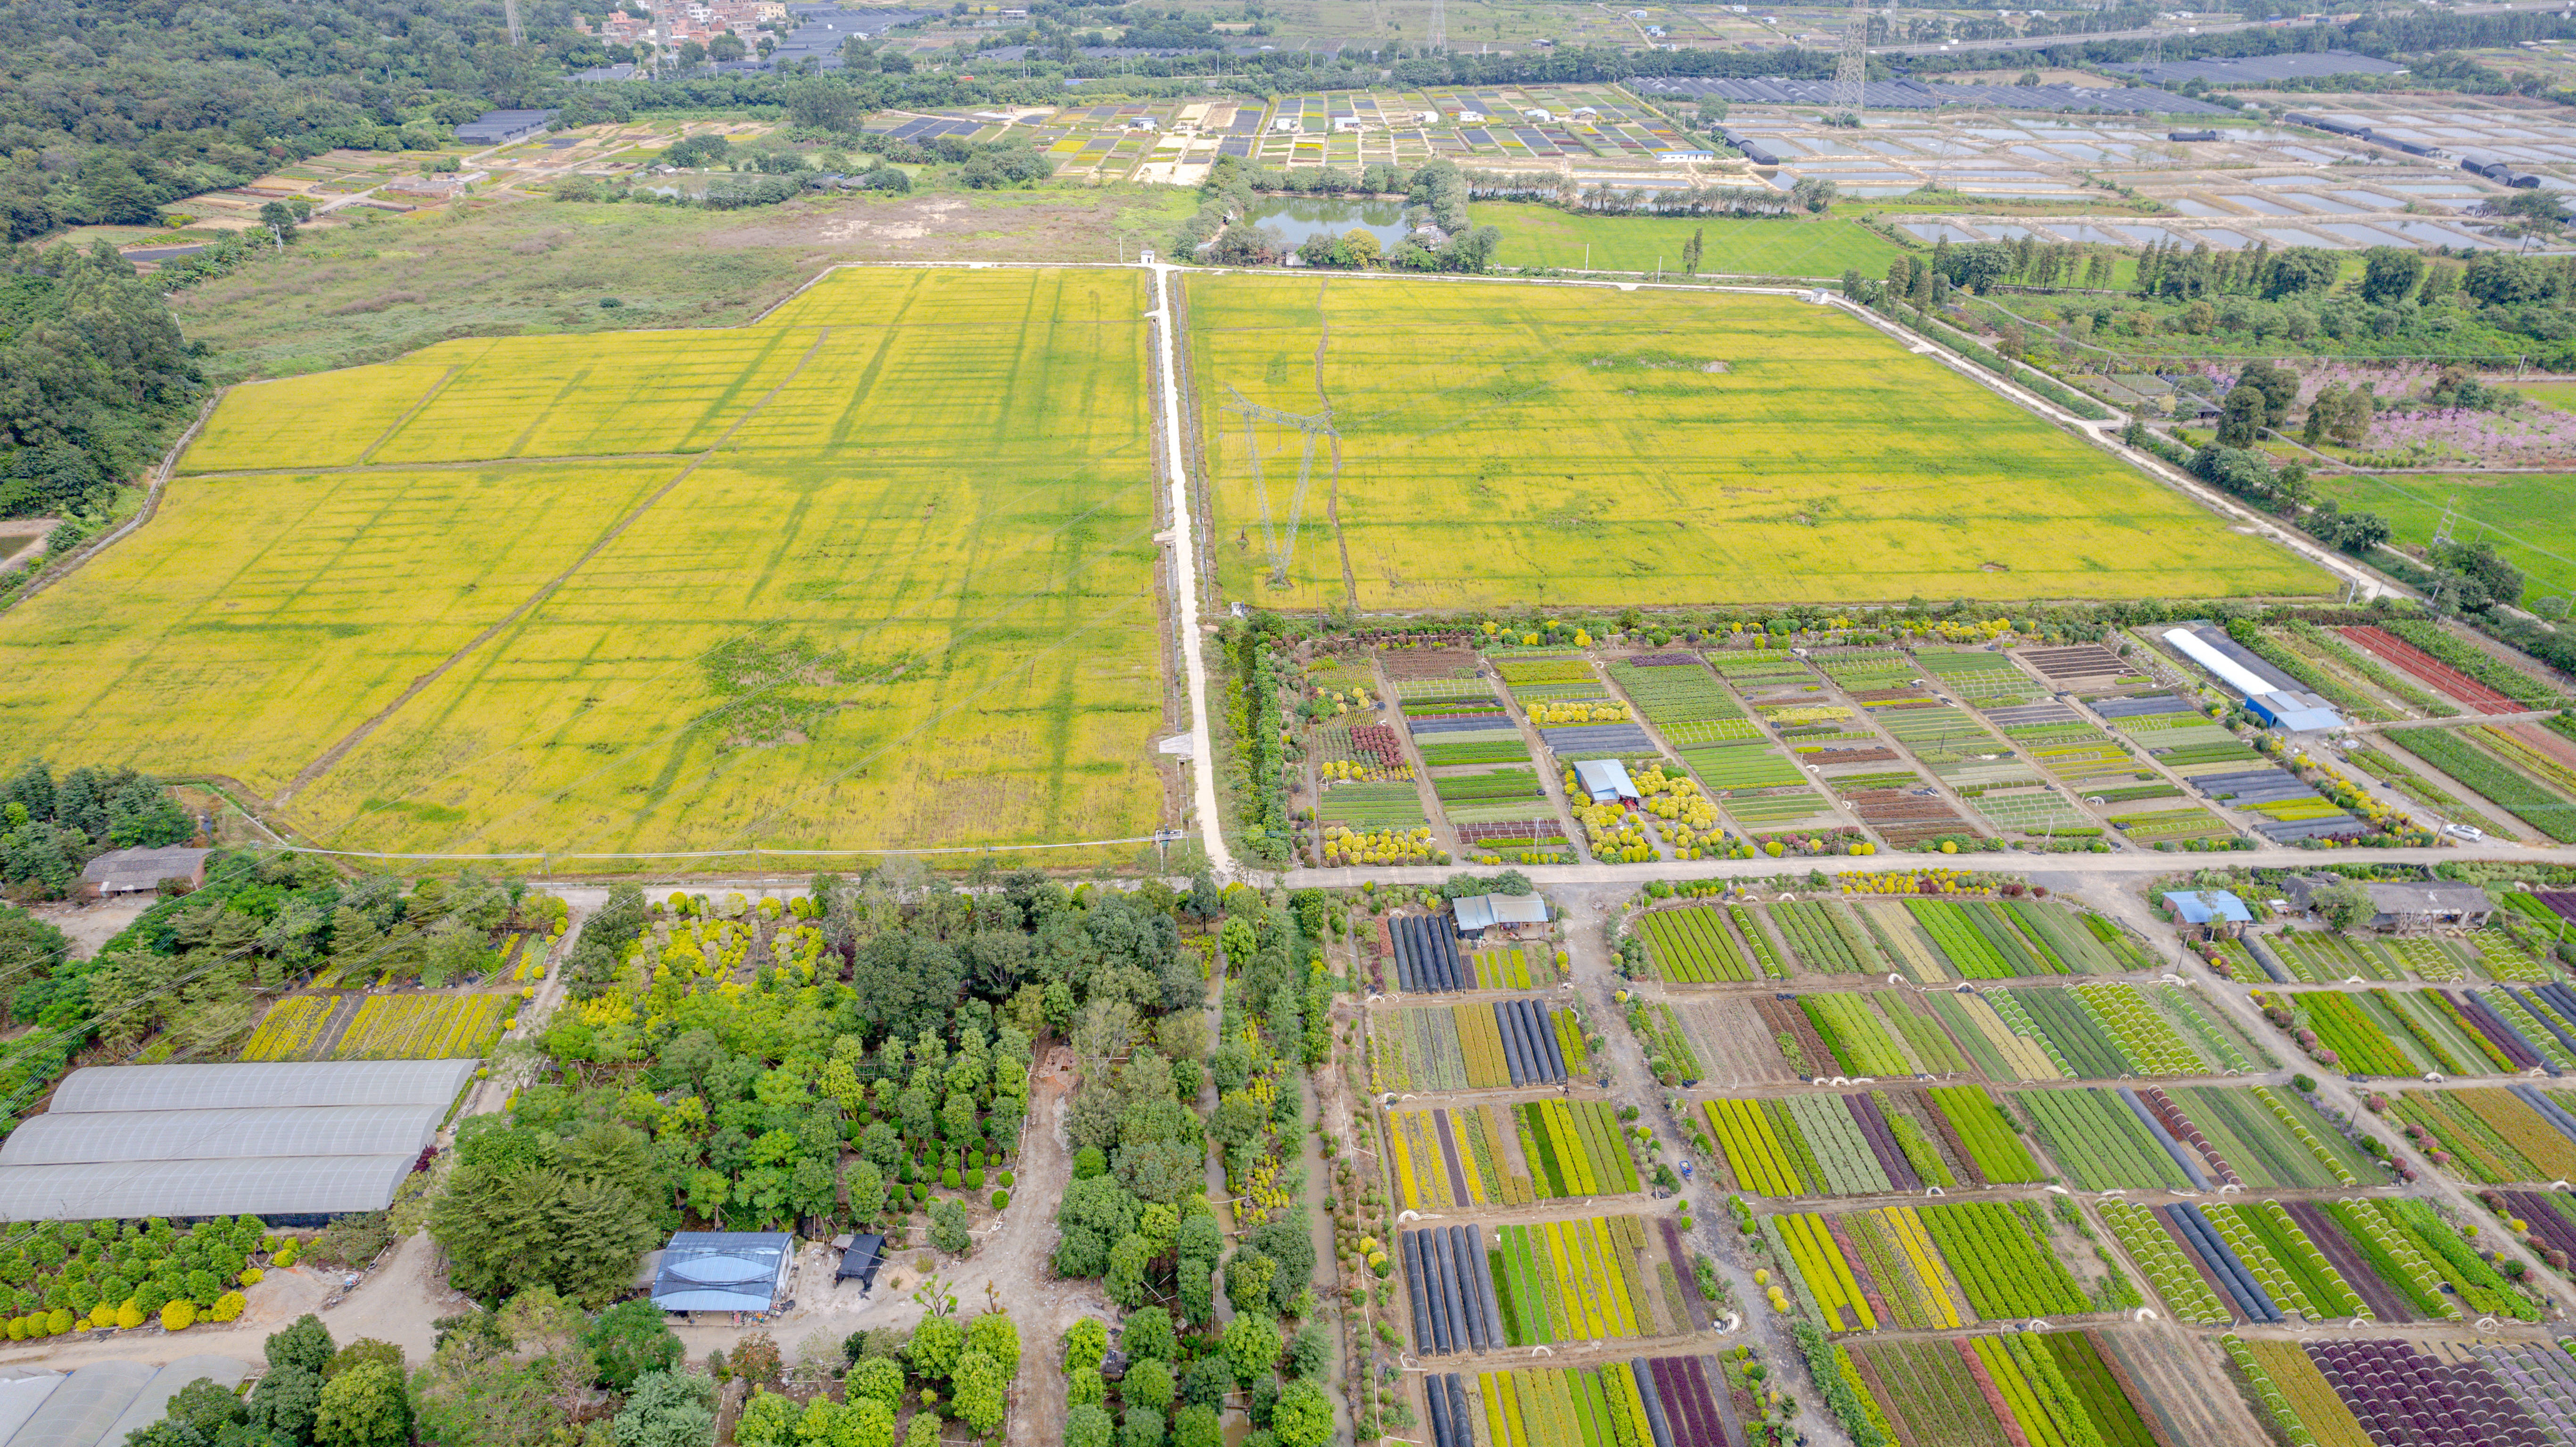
2464 831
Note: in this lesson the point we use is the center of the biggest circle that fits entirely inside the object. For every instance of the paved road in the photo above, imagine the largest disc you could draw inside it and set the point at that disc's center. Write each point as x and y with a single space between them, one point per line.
2125 864
1185 579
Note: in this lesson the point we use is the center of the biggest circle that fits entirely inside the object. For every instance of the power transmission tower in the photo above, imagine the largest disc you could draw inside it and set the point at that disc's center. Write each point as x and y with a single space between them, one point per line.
1283 550
2446 534
510 12
1439 25
1852 69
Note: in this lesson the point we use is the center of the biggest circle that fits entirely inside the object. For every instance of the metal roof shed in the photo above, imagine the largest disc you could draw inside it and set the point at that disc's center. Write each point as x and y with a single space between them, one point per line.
1606 780
2201 906
861 1261
1478 912
2296 713
724 1270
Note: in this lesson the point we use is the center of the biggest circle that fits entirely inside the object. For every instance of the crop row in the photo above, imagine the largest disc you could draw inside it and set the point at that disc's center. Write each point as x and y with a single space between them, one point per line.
1692 945
424 1027
292 1028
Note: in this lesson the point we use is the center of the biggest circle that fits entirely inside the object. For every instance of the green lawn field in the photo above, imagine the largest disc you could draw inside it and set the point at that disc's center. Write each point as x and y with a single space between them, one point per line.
2526 515
876 572
1524 444
1813 246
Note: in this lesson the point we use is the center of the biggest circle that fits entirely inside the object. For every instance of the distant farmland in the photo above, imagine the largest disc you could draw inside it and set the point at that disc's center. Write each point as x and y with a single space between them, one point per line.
1556 446
877 572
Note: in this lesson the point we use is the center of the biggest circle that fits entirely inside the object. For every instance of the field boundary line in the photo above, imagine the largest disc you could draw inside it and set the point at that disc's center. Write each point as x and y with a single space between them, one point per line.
144 514
802 287
367 457
465 465
332 756
759 850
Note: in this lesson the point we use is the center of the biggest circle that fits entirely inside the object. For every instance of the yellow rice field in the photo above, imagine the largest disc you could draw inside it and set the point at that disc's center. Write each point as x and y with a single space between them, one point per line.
876 572
1508 445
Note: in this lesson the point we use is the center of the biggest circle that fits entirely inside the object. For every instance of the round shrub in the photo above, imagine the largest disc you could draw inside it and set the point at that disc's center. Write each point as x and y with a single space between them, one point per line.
228 1306
975 1178
253 1276
130 1315
1005 1179
179 1315
948 1178
1001 1199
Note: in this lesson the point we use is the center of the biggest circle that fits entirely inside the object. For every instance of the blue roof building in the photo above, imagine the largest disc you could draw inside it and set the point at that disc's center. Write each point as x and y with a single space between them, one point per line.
2204 906
724 1271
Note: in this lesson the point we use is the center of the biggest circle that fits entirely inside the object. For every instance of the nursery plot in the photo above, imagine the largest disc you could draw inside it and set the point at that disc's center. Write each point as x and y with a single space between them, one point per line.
1930 1266
1598 1279
878 567
424 1027
1984 680
2519 1133
2102 1142
1984 1391
292 1028
1696 944
1615 1403
1733 1043
1451 403
1833 1145
1473 1155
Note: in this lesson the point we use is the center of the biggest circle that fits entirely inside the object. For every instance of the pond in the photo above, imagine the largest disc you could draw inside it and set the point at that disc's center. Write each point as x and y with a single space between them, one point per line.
1296 218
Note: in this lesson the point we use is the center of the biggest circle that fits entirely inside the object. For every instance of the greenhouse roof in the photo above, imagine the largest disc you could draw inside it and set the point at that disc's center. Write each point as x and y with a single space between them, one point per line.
160 1135
268 1186
270 1084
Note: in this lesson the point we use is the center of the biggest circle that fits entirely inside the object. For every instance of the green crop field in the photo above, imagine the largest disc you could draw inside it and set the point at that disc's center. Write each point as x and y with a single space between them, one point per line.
1818 246
1508 445
878 570
2524 514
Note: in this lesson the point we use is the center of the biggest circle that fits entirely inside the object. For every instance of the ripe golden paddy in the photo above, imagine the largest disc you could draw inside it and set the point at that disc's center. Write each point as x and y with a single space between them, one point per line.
1558 446
877 572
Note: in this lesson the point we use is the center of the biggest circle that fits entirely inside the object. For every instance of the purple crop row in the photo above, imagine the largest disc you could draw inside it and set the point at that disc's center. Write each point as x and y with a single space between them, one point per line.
1882 1143
2407 1398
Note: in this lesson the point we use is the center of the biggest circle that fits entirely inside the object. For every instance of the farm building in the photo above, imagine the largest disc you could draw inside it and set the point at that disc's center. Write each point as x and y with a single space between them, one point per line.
293 1144
860 1261
97 1405
2401 906
140 871
2419 906
724 1271
1478 913
1606 781
500 128
2271 695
